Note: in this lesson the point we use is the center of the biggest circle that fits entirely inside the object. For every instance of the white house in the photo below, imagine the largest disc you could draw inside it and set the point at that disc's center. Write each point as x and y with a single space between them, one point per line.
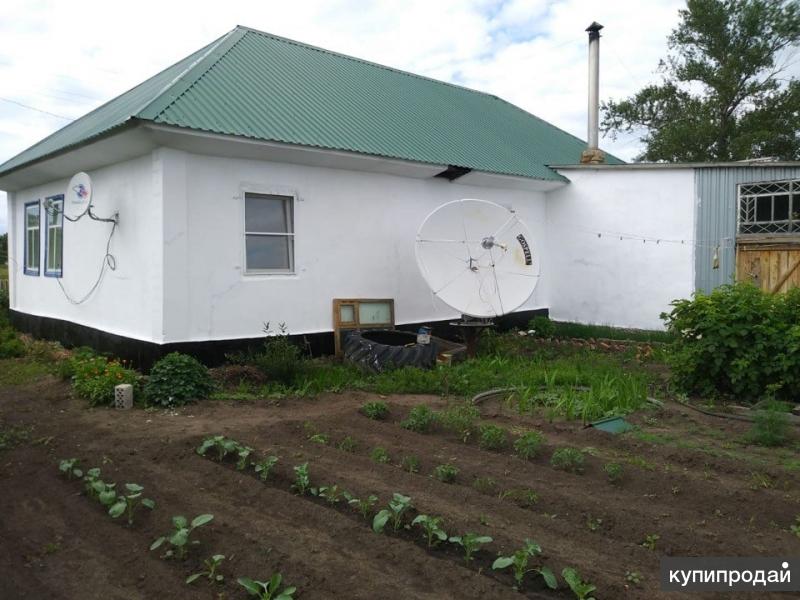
260 178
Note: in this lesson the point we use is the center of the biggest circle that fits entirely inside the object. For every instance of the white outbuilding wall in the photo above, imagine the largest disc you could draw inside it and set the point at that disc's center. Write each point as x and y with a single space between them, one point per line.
607 281
354 238
128 302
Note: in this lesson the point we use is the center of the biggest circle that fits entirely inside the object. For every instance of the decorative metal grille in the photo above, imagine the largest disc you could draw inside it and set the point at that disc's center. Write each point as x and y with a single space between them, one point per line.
769 207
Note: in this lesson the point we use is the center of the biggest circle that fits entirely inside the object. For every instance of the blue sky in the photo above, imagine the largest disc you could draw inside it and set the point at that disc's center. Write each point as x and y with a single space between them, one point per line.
66 58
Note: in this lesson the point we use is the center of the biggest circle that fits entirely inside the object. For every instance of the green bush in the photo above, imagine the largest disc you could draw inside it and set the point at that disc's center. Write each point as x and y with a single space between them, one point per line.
421 419
736 341
280 360
542 326
460 419
10 345
568 459
94 379
770 426
528 444
375 410
177 379
379 455
66 368
493 437
614 472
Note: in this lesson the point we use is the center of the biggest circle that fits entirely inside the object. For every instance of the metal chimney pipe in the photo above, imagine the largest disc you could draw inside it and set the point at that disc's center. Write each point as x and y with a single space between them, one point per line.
594 85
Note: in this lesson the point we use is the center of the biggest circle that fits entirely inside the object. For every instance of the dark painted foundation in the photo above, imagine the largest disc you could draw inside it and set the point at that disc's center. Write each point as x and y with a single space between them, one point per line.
143 354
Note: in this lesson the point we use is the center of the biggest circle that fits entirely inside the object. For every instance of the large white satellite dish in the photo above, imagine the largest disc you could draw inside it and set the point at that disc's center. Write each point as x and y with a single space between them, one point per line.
79 190
477 257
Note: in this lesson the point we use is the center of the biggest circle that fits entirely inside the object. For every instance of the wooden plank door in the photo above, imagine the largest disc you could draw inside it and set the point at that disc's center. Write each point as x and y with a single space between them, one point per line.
774 266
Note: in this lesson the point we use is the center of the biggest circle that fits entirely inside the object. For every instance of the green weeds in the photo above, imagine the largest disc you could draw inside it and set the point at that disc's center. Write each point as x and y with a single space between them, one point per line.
527 445
568 459
493 437
445 473
375 410
380 455
421 419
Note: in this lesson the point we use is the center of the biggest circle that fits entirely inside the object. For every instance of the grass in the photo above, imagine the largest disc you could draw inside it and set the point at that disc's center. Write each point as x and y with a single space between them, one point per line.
11 436
19 371
576 330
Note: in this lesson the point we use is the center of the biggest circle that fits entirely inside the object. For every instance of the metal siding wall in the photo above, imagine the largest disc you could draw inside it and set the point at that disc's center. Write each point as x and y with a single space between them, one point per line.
716 197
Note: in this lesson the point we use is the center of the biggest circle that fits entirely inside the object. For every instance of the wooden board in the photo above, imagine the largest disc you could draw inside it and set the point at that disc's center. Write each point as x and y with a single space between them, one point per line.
340 325
771 265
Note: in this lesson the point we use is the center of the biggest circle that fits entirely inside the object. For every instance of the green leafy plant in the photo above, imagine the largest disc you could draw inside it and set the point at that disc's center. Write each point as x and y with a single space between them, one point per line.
129 502
179 537
520 562
320 438
568 459
362 505
633 577
580 588
460 419
432 526
211 571
280 360
795 529
524 497
177 379
267 590
104 492
527 445
70 468
302 480
91 476
471 543
375 410
485 485
348 444
399 505
221 444
379 455
594 523
243 453
445 473
493 437
410 464
264 466
650 541
614 472
542 326
331 493
421 419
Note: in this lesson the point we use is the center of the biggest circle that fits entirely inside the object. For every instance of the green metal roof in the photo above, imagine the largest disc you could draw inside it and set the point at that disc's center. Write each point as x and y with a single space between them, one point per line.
257 85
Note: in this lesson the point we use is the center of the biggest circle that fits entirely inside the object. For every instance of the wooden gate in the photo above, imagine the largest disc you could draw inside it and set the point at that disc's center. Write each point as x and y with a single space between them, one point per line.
772 264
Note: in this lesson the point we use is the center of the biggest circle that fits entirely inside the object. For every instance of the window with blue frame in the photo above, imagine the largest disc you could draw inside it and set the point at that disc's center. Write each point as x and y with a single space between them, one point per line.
54 236
32 238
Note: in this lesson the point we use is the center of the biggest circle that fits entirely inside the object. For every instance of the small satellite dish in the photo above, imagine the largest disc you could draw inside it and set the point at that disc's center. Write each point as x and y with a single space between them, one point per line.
79 190
477 257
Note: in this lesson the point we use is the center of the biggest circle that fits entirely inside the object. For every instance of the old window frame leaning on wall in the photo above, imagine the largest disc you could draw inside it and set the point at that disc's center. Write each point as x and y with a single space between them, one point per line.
761 208
54 236
268 233
32 237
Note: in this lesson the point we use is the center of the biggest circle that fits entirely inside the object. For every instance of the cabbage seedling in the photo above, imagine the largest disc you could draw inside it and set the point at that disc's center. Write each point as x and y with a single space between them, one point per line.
264 466
179 537
471 542
362 505
398 506
69 467
129 502
222 444
580 588
519 561
302 481
212 567
267 590
243 452
331 493
432 527
104 492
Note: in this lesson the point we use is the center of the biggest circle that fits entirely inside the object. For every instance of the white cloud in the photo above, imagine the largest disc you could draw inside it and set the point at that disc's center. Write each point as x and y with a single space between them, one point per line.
67 58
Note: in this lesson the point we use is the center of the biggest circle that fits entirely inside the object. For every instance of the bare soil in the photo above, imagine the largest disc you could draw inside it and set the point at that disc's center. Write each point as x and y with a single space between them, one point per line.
691 483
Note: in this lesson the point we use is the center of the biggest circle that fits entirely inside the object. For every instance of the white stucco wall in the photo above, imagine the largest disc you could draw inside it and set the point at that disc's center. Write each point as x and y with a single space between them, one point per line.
354 238
128 302
608 281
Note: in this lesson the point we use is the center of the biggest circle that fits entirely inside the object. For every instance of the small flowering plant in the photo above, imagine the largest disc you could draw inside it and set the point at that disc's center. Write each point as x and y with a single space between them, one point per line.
94 379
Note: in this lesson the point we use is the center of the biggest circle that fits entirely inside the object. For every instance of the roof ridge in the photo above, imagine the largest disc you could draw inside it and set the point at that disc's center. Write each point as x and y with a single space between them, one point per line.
156 105
370 63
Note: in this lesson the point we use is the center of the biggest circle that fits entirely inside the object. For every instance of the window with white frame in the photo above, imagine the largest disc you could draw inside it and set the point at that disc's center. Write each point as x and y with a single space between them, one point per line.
54 236
32 238
268 233
769 207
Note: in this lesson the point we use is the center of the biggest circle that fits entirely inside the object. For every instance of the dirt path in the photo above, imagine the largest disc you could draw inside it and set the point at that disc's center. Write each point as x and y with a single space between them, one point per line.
57 543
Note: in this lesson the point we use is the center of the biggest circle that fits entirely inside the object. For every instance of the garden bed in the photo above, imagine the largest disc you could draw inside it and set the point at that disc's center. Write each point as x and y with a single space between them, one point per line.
688 479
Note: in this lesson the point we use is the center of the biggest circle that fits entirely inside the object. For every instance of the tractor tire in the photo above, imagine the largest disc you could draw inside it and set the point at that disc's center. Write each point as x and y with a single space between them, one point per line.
379 350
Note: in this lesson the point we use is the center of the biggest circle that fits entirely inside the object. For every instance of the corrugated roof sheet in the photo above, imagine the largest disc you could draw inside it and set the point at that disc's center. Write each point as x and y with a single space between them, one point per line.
254 84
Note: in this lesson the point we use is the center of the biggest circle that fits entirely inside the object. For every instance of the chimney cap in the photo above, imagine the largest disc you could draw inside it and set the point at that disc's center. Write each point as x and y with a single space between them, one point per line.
594 30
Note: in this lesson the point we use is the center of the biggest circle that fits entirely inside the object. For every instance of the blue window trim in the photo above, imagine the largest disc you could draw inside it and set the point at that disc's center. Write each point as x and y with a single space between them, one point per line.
54 272
25 268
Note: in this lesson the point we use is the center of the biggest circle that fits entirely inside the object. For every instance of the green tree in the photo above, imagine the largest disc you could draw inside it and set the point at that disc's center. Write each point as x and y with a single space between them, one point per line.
3 249
723 94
